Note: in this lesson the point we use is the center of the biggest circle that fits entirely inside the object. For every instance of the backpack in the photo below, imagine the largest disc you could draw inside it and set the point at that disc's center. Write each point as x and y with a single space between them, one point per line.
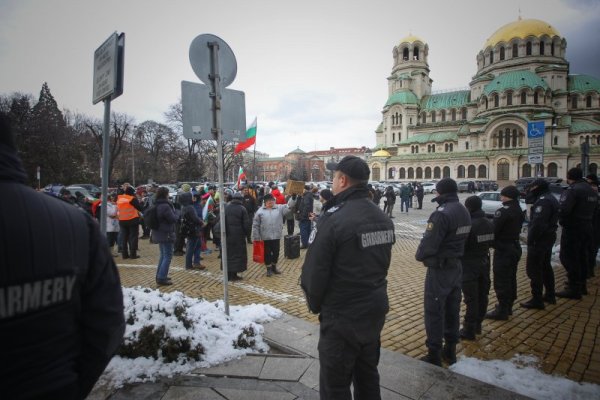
151 217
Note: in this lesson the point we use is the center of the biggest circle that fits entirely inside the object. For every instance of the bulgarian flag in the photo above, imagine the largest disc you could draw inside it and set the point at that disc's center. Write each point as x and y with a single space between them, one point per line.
209 206
249 140
241 175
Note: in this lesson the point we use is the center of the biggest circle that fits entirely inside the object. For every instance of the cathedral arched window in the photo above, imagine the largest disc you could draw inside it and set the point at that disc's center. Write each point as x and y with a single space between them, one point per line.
552 169
471 171
437 172
467 145
464 114
501 53
486 103
552 48
460 173
453 114
411 173
482 171
433 116
402 174
528 49
588 101
451 147
433 148
526 171
405 54
496 100
416 53
491 56
446 172
523 97
424 118
555 140
393 137
443 115
535 98
514 138
446 147
399 119
507 138
509 98
574 101
419 173
427 172
515 50
542 48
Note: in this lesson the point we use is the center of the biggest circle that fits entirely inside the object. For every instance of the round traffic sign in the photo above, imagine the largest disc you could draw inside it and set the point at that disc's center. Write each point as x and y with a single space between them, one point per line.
200 59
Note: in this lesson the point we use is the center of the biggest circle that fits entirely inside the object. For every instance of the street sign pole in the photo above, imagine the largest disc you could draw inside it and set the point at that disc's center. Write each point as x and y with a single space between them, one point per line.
215 95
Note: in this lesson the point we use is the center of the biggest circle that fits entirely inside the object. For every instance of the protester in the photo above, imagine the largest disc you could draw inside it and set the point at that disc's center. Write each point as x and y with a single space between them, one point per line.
440 250
305 208
267 227
56 344
344 280
237 226
164 235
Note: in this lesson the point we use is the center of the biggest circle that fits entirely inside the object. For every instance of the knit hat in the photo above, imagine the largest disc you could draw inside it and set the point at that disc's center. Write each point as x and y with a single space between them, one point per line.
473 203
446 185
238 196
510 192
186 187
541 184
326 194
575 174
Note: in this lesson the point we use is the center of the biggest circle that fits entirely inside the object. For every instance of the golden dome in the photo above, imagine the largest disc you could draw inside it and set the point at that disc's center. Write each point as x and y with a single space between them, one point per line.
521 29
381 153
411 39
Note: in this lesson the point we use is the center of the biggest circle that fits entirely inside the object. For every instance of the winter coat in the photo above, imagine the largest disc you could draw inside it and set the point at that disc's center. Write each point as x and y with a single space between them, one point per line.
237 226
279 198
306 206
112 220
167 216
268 222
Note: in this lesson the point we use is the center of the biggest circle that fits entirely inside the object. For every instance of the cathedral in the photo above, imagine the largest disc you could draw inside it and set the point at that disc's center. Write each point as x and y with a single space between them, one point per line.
481 132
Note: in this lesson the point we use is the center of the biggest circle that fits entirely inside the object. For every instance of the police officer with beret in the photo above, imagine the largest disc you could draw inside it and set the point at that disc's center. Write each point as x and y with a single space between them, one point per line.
61 305
508 221
577 205
344 280
541 234
440 250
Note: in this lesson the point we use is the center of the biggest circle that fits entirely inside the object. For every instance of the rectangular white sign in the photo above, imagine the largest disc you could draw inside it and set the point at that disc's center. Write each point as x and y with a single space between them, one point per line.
105 69
535 158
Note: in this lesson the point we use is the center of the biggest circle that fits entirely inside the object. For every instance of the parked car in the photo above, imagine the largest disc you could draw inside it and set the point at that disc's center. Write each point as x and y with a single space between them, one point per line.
428 187
523 183
491 202
74 189
463 186
90 187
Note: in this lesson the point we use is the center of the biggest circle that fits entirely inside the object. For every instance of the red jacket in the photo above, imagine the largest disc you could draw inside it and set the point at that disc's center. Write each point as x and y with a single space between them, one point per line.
279 198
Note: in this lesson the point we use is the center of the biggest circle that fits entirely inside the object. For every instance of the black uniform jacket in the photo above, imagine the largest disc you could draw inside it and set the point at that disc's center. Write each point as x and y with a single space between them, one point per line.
61 304
348 257
477 246
543 220
577 204
446 232
508 221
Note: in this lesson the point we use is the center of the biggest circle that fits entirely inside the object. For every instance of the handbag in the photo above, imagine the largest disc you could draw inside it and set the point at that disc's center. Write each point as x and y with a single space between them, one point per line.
258 251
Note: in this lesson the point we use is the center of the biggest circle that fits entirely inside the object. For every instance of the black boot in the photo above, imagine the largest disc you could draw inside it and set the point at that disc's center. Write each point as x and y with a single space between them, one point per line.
467 332
534 303
584 288
269 271
549 298
570 292
449 353
275 270
433 357
500 313
478 328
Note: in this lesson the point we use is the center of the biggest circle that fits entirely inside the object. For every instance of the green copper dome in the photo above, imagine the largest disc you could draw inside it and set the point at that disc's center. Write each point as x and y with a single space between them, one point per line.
446 100
583 83
514 80
402 97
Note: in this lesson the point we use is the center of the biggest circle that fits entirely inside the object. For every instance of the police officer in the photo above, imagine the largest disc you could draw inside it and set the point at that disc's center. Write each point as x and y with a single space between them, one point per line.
476 269
344 279
592 179
541 234
61 305
508 221
577 205
440 250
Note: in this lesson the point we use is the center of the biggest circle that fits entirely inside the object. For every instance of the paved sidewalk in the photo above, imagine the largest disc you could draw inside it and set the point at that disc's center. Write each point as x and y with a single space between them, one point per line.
294 374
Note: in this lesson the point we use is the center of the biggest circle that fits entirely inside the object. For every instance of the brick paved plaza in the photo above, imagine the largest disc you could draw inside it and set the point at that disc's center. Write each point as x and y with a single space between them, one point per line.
564 337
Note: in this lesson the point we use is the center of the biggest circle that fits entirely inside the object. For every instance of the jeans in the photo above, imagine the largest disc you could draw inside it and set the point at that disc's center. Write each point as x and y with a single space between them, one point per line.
164 260
305 227
192 244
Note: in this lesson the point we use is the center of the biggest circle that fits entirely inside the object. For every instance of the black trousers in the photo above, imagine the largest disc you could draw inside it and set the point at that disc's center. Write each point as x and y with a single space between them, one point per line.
130 231
179 238
539 269
349 353
271 252
506 259
290 226
476 289
574 243
442 305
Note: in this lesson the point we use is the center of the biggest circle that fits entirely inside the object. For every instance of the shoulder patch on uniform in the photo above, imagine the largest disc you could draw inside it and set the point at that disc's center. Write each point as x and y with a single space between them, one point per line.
430 226
498 213
313 233
538 209
333 209
440 208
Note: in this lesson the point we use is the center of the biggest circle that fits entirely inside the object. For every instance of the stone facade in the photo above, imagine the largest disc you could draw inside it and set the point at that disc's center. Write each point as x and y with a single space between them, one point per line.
481 132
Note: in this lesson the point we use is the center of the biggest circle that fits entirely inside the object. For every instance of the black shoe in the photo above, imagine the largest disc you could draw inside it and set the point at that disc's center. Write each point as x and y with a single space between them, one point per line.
275 270
478 329
467 333
550 299
569 294
500 313
178 253
134 257
533 304
269 271
433 357
164 282
449 353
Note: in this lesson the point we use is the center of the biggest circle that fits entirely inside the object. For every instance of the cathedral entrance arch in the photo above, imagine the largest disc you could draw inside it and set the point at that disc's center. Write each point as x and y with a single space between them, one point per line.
503 170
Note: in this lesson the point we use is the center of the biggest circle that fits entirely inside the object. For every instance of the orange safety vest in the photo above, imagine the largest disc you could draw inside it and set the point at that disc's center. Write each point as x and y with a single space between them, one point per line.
126 210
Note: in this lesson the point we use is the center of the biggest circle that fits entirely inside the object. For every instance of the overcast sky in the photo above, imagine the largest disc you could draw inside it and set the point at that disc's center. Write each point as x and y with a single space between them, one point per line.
313 71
